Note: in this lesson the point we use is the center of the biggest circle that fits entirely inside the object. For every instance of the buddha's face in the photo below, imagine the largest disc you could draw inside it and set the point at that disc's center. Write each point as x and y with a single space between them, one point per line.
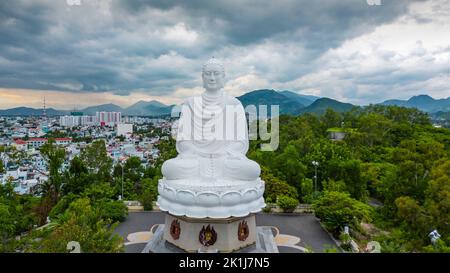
213 77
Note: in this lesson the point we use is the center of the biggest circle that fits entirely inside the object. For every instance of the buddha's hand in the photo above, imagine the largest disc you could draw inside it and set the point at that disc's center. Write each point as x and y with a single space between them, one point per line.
234 155
188 155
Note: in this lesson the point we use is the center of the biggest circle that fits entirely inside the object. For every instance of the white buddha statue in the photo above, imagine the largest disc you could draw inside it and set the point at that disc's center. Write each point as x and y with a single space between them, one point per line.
216 155
211 176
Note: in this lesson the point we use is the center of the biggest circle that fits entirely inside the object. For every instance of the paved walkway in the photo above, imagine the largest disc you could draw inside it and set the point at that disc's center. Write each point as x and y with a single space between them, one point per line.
293 232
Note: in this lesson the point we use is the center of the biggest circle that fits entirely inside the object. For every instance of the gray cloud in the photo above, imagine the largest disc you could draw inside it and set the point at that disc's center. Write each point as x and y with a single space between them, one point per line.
159 46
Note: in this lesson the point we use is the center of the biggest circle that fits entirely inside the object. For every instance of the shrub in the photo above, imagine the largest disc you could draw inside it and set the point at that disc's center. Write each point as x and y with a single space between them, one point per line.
150 192
288 204
267 209
61 206
345 241
307 186
112 210
338 209
275 187
146 200
330 249
82 223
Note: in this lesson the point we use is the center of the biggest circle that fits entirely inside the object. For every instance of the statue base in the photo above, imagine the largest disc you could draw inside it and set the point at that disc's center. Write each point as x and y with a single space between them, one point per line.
217 198
207 235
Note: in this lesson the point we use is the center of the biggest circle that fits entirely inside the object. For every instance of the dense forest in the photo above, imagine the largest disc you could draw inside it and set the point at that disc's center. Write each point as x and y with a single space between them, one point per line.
390 156
388 180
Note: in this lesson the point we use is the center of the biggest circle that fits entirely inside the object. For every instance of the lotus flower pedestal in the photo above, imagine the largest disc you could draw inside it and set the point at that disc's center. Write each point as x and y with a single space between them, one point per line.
212 216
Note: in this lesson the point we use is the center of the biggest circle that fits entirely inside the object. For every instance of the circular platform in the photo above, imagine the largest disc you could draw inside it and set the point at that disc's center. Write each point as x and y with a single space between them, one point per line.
213 199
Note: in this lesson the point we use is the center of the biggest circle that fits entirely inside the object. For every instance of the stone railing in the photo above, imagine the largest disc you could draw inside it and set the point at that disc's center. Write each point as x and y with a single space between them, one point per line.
134 206
301 208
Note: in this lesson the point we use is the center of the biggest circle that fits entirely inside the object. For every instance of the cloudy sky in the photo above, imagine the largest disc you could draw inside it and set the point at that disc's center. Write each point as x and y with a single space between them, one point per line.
111 51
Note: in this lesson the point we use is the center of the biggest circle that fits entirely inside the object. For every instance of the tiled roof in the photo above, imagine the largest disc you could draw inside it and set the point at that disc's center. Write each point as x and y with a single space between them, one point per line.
20 142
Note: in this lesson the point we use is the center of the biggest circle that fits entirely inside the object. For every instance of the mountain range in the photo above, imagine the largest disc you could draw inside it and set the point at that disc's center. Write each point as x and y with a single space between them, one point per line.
27 111
141 108
292 103
289 103
423 102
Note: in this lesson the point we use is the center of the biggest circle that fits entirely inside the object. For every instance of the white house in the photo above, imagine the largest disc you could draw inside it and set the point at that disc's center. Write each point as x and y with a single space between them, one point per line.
20 145
124 129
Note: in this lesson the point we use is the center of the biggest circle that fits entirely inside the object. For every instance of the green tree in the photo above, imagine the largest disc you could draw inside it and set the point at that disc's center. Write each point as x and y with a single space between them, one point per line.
97 161
349 171
437 202
150 192
374 176
376 127
99 191
77 178
351 175
413 216
150 172
288 204
51 189
289 167
62 205
332 185
439 247
331 119
307 190
167 151
275 187
338 209
16 215
110 210
7 226
81 223
54 156
133 171
2 168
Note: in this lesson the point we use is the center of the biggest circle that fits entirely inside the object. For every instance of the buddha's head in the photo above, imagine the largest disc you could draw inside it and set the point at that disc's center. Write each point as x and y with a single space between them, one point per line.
213 75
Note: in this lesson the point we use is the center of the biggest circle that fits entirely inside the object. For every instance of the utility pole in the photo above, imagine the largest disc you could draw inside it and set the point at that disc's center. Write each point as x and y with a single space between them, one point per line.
316 164
122 178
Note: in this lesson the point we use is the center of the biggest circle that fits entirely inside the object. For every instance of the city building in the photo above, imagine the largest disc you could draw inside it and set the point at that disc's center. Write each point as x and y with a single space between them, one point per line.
109 118
36 142
63 141
77 120
69 121
124 129
20 145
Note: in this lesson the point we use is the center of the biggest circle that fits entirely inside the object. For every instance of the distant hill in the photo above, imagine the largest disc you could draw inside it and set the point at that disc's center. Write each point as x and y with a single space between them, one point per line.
27 111
321 105
288 101
394 102
303 99
441 115
102 108
423 103
271 97
148 108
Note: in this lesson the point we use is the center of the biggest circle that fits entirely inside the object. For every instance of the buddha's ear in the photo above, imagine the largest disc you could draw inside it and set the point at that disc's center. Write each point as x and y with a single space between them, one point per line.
223 77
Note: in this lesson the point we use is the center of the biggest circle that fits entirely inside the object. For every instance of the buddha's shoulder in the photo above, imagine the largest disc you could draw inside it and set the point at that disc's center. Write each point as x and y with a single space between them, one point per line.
190 101
230 100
